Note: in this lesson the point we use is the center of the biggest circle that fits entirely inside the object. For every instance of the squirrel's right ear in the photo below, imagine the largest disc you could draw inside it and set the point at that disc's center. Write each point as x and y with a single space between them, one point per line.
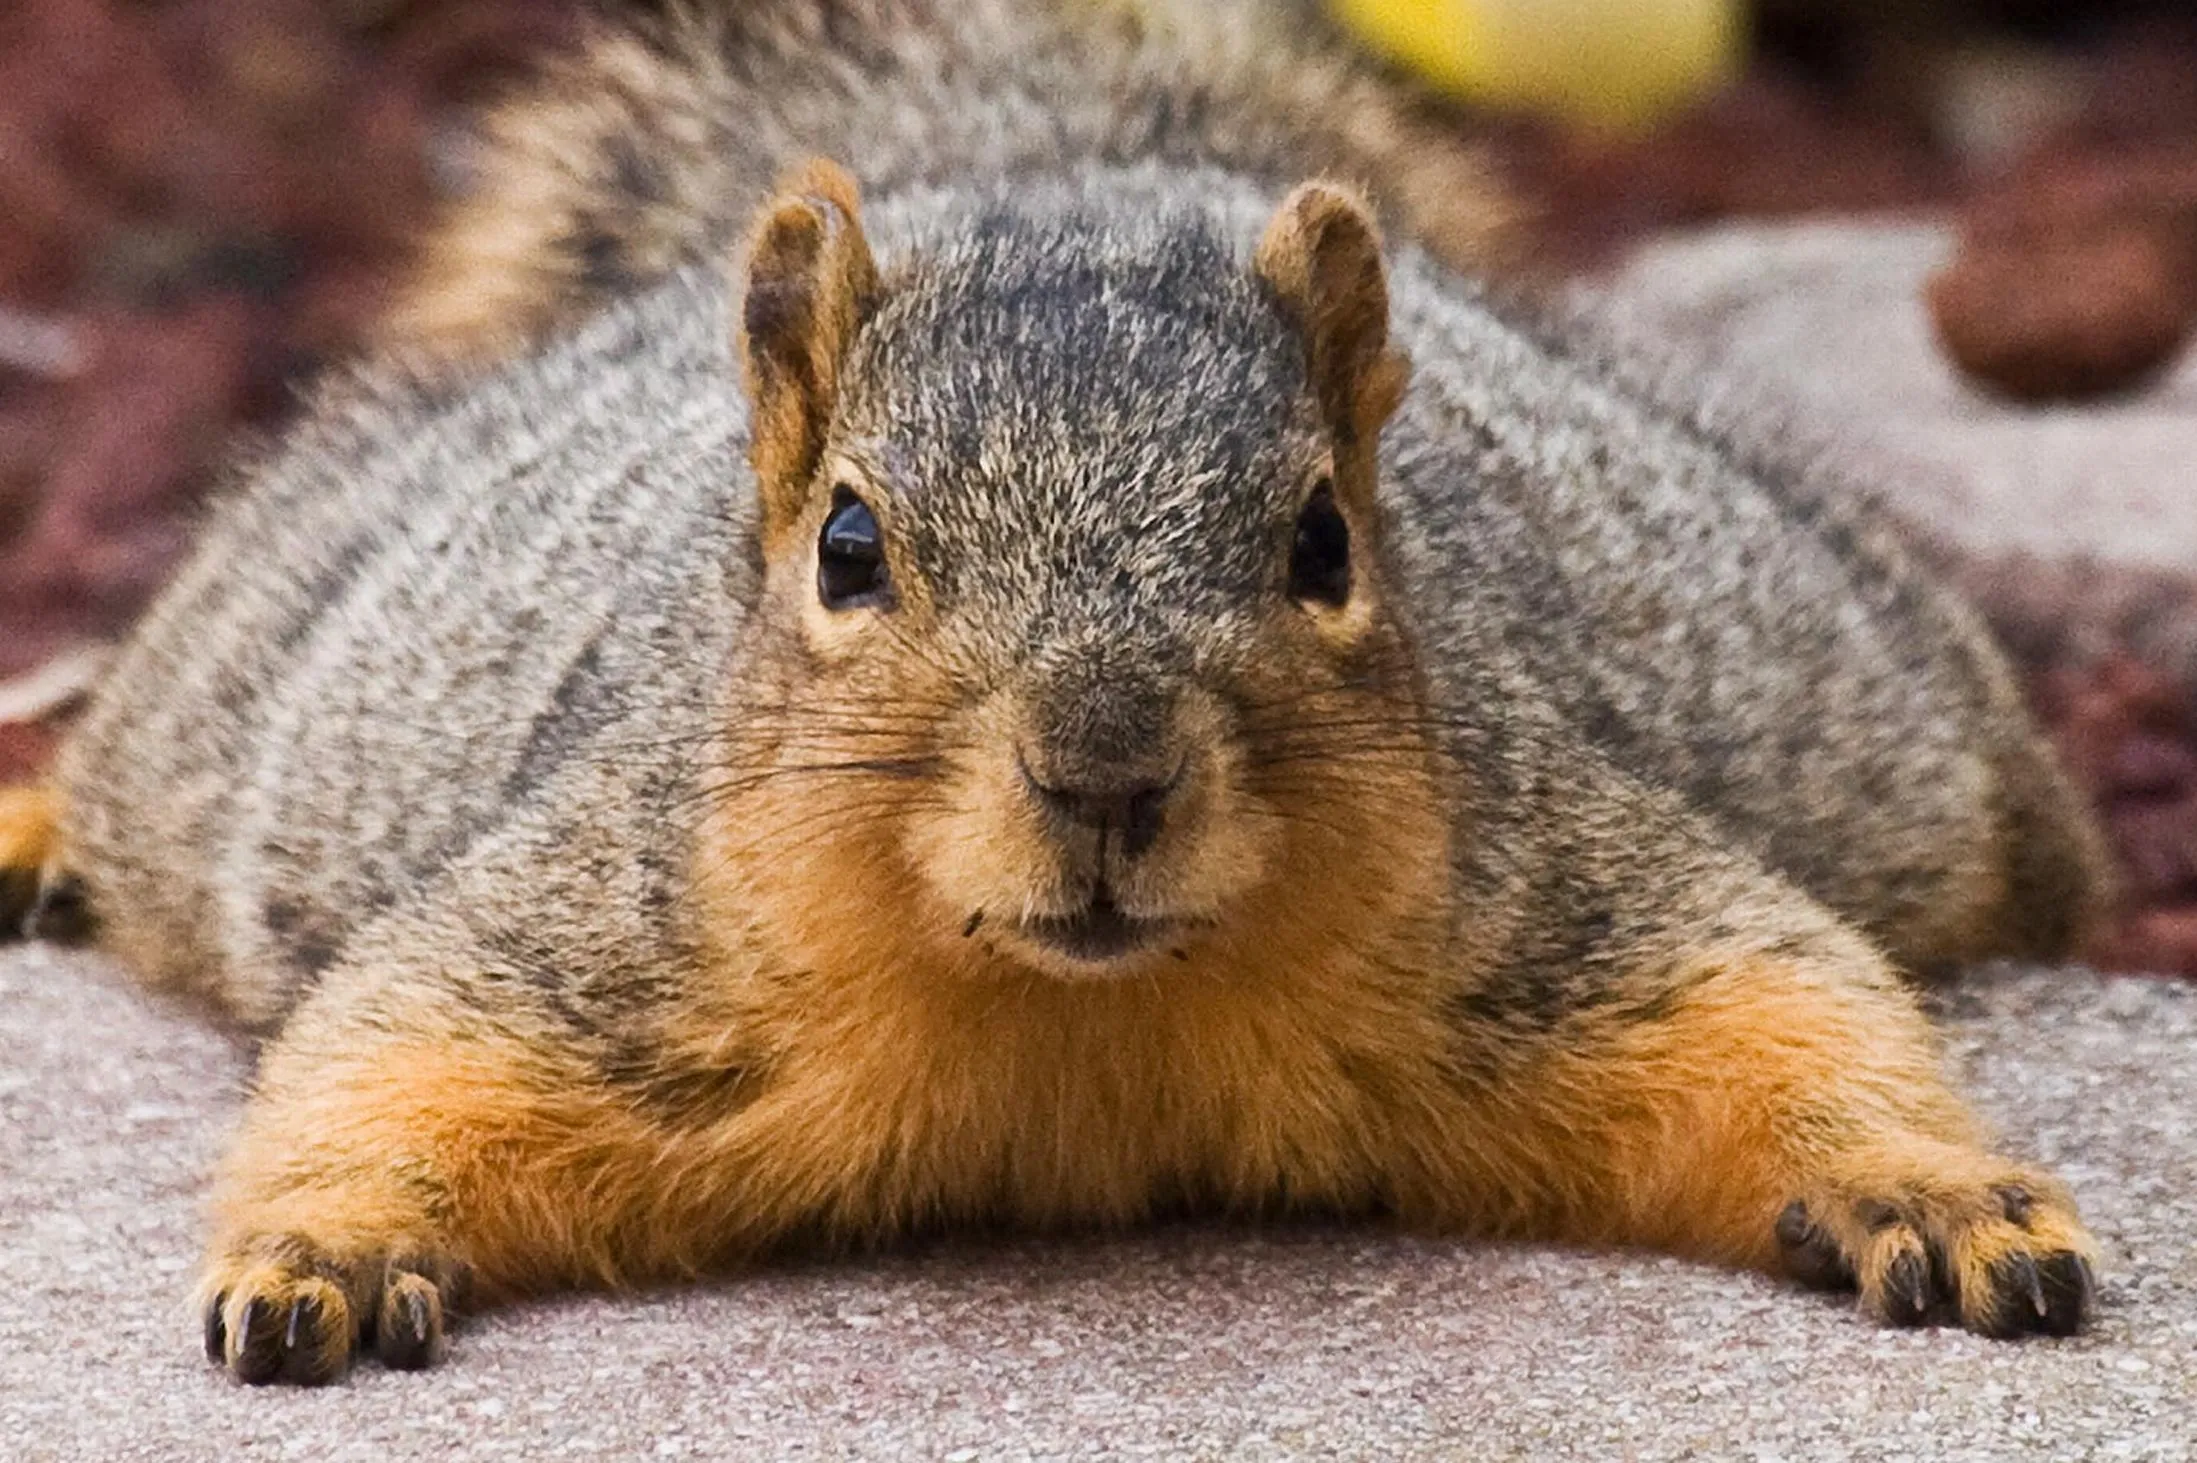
1321 255
810 285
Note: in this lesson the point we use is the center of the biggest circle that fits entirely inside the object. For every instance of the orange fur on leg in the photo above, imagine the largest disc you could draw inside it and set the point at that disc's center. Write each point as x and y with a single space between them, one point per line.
1788 1114
371 1189
360 1196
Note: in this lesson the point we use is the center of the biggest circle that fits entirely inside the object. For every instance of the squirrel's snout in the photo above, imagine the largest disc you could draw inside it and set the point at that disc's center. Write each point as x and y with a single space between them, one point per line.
1106 744
1125 801
1090 834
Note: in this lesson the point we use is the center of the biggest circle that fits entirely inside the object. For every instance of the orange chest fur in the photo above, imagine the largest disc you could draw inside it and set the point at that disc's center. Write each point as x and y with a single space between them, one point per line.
1048 1104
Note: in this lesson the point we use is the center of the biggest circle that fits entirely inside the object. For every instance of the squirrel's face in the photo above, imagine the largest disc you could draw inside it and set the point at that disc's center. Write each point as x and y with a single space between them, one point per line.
1073 603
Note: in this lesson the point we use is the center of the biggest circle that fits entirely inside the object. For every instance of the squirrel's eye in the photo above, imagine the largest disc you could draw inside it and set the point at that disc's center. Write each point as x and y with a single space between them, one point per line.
1319 561
850 555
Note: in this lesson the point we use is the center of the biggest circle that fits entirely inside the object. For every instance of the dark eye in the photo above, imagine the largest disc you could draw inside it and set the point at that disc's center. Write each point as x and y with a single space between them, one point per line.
1319 561
850 555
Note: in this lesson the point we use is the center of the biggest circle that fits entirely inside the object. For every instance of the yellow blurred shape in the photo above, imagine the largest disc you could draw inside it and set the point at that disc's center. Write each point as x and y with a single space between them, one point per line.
1609 63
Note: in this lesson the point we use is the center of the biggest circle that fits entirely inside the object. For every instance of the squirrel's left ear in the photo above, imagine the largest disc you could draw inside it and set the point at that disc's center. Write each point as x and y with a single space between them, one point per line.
1322 257
810 285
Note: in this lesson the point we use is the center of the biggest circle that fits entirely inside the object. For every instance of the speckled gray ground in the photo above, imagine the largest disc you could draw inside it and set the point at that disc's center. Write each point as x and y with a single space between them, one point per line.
1187 1343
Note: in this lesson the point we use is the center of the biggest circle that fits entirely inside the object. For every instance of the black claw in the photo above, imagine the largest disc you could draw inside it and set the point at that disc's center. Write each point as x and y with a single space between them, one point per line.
2032 1287
406 1339
258 1343
1942 1283
2016 1203
304 1320
1907 1289
307 1356
217 1332
2067 1289
2017 1298
1811 1256
61 913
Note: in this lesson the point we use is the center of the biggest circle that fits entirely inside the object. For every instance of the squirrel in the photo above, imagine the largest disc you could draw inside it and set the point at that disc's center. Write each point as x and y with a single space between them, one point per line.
1046 696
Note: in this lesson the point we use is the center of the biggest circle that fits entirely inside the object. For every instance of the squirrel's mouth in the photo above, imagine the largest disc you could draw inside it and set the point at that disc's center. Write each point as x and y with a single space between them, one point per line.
1098 934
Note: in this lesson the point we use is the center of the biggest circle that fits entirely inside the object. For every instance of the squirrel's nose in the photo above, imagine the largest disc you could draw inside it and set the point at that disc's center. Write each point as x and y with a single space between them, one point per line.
1133 806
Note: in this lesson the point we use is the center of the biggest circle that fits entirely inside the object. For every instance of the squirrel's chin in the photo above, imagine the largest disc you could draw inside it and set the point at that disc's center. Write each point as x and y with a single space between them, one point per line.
1096 943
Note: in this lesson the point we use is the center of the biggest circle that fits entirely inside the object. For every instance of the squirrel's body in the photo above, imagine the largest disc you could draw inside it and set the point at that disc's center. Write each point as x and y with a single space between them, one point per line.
632 879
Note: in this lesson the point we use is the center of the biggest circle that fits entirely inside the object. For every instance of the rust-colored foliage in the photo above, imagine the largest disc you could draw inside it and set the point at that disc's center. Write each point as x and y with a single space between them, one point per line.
199 201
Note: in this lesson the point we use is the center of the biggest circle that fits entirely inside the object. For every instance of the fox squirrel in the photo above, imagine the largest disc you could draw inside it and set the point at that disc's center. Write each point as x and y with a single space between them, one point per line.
1005 706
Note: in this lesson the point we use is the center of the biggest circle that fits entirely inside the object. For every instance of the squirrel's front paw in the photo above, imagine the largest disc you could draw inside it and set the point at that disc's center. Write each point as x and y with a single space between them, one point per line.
2004 1255
279 1308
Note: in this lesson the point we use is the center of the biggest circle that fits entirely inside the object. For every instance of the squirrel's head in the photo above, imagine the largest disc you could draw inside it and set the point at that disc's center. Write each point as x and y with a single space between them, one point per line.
1073 649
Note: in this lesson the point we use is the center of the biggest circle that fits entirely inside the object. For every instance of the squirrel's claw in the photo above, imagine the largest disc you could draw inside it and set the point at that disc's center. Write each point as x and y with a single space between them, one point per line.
298 1333
2002 1259
217 1331
286 1312
408 1331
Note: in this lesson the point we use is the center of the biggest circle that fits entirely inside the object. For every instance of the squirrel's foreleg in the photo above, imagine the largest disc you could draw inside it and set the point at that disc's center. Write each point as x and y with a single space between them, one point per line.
1780 1104
385 1168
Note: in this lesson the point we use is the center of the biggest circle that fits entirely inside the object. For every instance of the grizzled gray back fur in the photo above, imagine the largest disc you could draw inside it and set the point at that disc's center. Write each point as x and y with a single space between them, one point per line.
451 665
655 146
428 633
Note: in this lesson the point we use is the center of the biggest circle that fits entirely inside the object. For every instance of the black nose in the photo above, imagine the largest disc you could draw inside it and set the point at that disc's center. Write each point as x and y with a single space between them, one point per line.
1134 807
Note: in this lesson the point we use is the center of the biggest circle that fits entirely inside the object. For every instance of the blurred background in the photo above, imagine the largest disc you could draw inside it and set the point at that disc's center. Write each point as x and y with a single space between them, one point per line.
204 201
